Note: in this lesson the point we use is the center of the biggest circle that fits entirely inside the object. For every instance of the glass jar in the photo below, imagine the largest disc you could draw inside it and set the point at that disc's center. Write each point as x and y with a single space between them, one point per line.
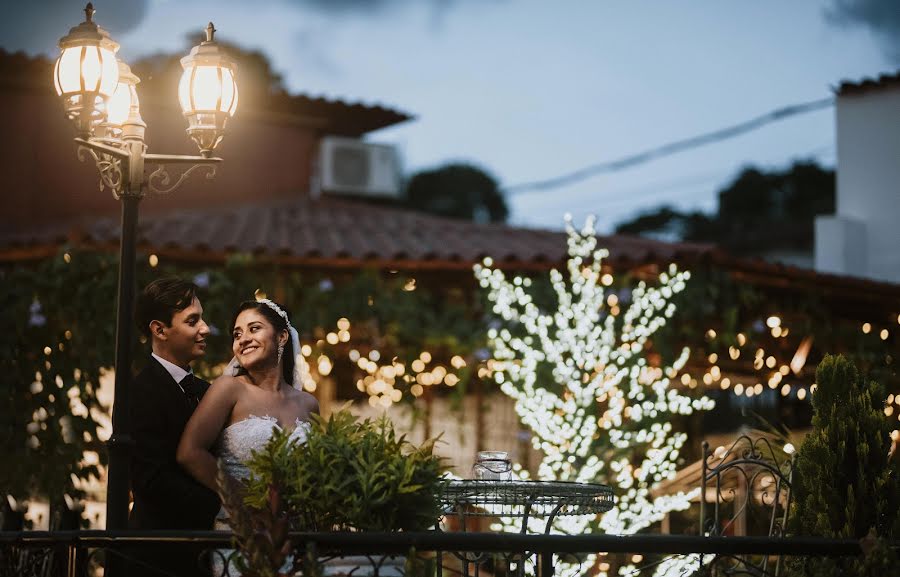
493 466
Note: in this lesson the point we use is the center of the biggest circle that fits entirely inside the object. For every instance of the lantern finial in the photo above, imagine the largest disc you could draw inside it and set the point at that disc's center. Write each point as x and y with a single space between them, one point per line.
210 31
89 12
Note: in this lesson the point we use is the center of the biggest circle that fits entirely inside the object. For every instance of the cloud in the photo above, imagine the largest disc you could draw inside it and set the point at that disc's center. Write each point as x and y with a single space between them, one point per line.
439 8
882 17
36 26
361 6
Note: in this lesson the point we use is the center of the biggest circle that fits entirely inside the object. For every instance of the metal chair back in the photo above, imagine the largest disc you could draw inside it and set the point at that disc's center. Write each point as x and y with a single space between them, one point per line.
745 490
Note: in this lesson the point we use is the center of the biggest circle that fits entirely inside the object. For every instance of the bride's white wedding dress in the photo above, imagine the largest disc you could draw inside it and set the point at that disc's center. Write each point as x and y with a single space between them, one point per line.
233 449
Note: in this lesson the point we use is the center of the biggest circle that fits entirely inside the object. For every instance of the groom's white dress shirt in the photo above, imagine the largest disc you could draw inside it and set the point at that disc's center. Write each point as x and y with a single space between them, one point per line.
177 372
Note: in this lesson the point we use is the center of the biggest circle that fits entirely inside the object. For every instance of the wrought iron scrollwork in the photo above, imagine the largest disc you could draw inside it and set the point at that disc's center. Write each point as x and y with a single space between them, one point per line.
109 167
160 180
750 482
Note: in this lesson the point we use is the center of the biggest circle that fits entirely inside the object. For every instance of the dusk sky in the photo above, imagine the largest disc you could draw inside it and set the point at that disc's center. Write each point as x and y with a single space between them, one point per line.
533 89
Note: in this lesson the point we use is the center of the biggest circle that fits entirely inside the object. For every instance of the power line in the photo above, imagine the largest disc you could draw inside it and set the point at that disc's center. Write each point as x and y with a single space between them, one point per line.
672 147
616 197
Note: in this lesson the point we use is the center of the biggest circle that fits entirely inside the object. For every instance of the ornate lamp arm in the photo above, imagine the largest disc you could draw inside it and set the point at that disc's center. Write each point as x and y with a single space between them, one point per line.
121 167
159 179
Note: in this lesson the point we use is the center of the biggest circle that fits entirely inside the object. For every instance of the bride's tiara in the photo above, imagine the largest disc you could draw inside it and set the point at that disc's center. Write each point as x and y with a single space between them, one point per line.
278 310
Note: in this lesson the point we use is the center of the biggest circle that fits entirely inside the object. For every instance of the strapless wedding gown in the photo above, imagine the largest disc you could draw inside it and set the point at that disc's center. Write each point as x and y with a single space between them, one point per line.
233 449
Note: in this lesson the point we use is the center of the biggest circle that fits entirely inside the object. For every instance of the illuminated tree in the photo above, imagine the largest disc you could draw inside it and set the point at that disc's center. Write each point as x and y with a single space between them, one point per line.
579 374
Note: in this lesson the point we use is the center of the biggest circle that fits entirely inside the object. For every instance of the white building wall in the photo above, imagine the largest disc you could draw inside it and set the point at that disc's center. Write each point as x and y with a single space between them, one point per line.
863 238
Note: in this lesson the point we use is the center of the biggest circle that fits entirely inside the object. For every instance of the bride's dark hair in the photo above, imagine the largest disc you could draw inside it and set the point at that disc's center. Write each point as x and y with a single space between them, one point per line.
280 324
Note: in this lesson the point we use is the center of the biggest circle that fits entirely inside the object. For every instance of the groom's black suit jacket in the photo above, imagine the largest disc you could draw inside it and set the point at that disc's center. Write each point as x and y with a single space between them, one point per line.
165 495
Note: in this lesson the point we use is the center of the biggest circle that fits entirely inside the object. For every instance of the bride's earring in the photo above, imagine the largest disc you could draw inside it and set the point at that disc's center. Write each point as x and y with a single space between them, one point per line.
280 352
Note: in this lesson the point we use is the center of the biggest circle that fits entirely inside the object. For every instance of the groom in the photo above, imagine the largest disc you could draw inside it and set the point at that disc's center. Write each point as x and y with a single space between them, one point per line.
163 397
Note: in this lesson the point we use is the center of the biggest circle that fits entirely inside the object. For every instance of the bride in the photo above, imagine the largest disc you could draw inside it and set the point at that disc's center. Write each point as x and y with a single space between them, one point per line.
258 392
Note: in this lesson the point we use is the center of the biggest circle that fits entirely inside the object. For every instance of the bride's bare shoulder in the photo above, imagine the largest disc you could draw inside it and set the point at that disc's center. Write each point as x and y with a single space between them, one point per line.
309 402
226 383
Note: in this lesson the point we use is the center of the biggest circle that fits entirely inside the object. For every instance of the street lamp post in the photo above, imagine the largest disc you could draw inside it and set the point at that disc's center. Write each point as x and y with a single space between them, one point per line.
100 97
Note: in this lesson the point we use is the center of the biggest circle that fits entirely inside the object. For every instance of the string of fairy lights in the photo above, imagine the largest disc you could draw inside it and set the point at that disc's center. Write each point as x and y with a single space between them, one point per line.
772 373
380 379
603 392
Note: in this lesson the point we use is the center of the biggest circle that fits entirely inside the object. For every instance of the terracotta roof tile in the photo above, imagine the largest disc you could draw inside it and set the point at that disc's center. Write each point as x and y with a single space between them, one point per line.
343 117
338 232
331 228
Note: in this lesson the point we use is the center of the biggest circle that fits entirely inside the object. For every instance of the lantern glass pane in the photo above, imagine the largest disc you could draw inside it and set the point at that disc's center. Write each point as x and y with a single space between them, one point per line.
229 92
110 70
91 68
235 103
206 88
184 90
119 105
56 77
68 70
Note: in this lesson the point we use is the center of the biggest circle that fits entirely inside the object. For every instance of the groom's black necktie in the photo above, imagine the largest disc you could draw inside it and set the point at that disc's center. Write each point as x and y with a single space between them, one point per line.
193 390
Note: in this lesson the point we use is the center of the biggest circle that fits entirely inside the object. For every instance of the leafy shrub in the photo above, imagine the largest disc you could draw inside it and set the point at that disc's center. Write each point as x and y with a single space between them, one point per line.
845 484
349 475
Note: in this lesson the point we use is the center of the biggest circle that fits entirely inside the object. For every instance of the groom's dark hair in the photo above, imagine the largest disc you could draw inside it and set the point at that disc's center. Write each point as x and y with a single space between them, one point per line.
161 299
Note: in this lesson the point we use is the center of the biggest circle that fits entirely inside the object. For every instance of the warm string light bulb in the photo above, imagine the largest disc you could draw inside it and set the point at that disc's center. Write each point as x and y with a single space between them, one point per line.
772 370
381 378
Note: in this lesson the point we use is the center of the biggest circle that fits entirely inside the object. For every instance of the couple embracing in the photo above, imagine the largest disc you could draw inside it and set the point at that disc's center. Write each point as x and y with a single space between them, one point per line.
183 426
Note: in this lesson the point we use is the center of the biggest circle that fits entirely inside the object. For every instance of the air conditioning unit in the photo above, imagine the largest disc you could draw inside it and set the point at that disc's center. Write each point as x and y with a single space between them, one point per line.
353 167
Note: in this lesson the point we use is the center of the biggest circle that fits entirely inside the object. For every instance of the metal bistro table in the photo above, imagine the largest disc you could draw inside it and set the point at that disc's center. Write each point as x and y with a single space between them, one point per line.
525 499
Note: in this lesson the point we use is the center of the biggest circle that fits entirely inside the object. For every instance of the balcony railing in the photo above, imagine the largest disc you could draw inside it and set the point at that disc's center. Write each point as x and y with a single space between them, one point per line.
434 554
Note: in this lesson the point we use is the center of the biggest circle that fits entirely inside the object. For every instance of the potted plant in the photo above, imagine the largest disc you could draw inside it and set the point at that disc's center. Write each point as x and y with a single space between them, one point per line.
349 475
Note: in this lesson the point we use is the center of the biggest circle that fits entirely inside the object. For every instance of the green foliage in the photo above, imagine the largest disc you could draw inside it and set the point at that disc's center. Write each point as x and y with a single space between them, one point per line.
758 211
349 475
845 485
401 321
457 191
849 446
58 334
260 533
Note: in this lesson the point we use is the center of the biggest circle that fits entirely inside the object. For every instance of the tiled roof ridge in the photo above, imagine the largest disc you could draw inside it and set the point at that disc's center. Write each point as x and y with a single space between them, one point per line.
348 232
227 226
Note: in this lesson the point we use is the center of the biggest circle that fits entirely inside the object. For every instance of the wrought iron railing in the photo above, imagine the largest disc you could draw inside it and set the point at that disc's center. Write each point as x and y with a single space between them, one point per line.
426 554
